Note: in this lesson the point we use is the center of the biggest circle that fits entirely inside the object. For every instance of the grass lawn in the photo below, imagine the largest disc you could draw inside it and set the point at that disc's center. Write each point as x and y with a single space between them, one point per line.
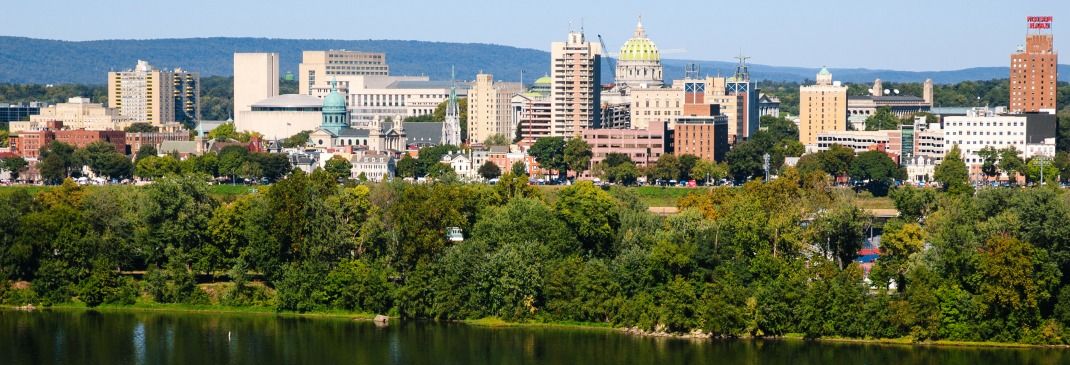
652 196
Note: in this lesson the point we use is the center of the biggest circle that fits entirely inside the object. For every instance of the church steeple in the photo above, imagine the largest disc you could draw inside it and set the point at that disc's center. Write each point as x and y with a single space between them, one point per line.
451 128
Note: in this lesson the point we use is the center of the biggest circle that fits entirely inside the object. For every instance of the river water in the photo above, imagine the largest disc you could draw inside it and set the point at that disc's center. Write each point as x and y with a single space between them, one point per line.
88 337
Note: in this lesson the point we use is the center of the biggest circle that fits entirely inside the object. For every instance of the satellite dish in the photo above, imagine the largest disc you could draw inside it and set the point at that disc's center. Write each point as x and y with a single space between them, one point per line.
886 91
896 91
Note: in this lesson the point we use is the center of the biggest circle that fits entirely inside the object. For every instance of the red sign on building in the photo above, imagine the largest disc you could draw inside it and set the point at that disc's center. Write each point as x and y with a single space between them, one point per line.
1039 22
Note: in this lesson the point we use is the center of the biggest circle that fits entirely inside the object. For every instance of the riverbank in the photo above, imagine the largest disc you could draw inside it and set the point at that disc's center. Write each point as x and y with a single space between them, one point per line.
202 309
494 322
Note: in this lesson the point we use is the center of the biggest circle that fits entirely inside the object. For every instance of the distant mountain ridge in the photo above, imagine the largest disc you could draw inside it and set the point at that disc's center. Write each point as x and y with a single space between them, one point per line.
30 60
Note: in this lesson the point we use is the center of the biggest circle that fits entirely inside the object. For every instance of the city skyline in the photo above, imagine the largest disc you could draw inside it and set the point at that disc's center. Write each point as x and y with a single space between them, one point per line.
822 33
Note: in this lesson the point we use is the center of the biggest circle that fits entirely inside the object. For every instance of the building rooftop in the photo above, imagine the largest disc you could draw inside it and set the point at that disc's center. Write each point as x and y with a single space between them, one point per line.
290 101
420 134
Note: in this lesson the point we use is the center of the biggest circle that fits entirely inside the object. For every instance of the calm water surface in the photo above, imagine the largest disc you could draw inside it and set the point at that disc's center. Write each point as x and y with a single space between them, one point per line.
79 337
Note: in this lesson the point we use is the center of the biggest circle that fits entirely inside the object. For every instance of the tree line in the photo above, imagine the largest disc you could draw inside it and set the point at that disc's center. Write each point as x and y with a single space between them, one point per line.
764 259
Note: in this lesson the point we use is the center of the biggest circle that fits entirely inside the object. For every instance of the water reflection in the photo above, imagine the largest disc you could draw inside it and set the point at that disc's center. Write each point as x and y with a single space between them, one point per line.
65 337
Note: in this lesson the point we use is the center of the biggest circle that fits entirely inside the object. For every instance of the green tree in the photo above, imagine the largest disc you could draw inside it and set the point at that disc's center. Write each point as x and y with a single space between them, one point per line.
1041 168
13 165
709 171
877 169
577 155
498 140
489 170
141 127
519 168
687 163
407 166
145 150
898 244
297 140
667 168
952 173
883 119
591 214
990 157
1011 163
57 161
339 167
549 152
839 232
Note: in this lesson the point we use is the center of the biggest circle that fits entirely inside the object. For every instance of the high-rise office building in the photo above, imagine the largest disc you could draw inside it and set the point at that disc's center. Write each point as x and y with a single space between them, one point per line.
256 78
822 108
318 68
490 108
149 95
575 92
1034 69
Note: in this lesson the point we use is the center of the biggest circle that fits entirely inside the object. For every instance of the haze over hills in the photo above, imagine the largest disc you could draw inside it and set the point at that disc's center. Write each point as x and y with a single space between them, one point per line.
29 60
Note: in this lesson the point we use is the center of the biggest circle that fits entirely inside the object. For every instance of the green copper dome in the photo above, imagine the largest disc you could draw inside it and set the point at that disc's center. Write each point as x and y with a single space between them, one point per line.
544 80
639 47
334 102
824 71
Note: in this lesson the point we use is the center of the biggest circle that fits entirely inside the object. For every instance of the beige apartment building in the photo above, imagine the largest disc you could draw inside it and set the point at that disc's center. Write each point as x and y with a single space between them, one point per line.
490 108
575 92
149 95
822 108
656 105
256 78
76 113
318 68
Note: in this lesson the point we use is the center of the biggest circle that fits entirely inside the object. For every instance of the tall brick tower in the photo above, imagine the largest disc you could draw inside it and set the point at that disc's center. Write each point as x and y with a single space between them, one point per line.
1033 69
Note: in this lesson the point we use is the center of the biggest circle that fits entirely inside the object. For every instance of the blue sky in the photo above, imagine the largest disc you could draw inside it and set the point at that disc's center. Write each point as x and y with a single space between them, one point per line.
898 34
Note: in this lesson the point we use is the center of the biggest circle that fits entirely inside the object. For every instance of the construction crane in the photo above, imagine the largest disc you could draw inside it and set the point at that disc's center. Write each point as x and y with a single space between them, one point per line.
609 60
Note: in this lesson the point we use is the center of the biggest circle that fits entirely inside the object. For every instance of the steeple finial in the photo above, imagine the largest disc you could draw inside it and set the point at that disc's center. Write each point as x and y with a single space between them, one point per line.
639 31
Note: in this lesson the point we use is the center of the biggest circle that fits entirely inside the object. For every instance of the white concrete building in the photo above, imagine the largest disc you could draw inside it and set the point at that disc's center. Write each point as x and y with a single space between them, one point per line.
256 78
1031 134
281 116
147 94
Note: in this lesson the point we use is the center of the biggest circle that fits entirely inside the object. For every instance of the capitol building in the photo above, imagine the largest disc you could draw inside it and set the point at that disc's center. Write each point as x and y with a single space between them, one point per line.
639 62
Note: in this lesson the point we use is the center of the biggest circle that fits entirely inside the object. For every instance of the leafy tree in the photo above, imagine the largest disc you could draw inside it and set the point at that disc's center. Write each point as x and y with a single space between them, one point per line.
836 161
1041 168
489 170
898 244
1062 162
549 152
141 127
952 173
519 168
358 285
273 166
881 120
153 167
709 170
497 140
339 167
990 157
876 168
1012 287
297 140
521 220
13 165
839 233
57 161
667 167
577 155
407 166
1011 163
231 159
591 215
145 150
687 163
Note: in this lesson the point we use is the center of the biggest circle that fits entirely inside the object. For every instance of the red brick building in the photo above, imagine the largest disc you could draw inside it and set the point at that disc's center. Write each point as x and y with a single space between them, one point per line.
28 143
1034 69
